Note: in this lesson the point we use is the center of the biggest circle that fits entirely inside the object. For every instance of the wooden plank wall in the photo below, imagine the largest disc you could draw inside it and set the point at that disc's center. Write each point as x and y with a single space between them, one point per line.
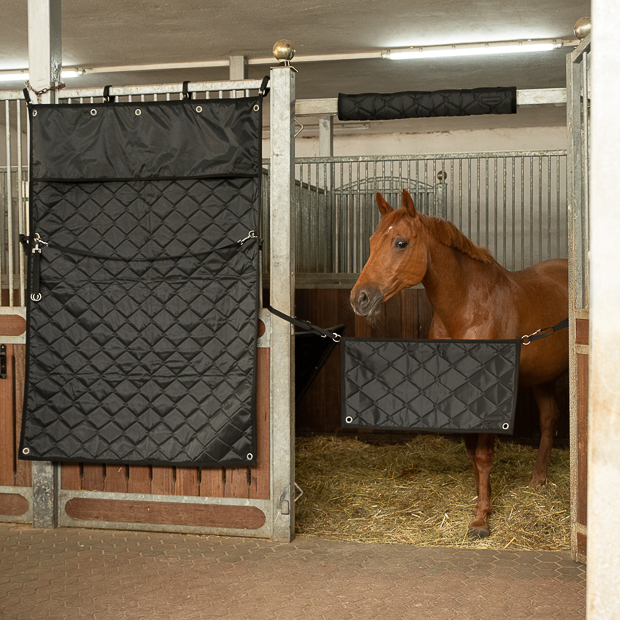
13 472
406 315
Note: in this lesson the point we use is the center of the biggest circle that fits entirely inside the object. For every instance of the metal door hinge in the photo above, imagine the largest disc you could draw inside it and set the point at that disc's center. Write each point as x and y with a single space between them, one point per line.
2 361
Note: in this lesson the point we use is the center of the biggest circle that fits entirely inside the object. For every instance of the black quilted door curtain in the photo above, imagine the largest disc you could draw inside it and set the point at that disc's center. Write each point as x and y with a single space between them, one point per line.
143 271
464 386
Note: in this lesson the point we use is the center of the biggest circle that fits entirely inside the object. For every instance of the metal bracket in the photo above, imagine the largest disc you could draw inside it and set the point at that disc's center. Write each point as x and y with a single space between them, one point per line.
2 361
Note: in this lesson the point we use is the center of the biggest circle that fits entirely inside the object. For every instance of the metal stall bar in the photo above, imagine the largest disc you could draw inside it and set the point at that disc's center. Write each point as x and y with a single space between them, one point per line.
579 314
15 476
467 186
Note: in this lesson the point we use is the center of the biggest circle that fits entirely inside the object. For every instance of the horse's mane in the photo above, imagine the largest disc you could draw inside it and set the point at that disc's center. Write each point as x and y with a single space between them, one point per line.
449 235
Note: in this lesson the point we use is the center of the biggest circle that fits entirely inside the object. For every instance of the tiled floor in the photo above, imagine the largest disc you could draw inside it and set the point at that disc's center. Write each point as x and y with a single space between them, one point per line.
81 574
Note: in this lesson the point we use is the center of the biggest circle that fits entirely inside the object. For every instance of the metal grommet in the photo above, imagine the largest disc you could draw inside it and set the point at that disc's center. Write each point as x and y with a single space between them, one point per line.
505 426
348 419
138 112
26 451
93 112
34 113
256 107
250 456
199 109
36 297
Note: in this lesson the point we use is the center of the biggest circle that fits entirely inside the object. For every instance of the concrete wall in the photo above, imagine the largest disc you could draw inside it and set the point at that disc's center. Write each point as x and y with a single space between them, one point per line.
362 142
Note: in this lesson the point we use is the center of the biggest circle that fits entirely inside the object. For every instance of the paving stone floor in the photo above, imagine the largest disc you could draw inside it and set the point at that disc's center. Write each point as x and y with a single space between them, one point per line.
83 574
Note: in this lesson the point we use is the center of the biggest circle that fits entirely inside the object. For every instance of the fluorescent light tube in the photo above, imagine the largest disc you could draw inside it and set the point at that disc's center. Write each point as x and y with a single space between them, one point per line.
471 50
15 77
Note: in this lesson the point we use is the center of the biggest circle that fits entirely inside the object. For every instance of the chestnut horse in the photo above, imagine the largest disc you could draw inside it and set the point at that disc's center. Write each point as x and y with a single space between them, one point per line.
473 297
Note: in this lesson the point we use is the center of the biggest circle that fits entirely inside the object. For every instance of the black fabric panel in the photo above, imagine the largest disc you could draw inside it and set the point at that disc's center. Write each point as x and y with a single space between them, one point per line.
166 140
144 361
421 104
430 385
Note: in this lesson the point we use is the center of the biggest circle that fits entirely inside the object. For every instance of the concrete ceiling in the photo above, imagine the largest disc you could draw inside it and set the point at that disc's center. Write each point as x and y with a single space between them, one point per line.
100 33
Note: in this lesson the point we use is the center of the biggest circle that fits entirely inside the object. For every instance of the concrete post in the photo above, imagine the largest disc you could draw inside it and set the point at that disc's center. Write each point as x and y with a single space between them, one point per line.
603 585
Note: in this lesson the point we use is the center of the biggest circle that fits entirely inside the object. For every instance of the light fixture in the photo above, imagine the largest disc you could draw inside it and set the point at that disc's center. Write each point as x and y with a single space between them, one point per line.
474 49
15 76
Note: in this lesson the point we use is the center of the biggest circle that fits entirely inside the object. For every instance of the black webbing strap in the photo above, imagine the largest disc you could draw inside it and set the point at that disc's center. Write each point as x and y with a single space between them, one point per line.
263 91
538 334
34 246
186 93
324 333
106 94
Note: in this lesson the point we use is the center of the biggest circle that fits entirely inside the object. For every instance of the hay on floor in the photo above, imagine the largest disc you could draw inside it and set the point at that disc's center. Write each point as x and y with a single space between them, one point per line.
422 493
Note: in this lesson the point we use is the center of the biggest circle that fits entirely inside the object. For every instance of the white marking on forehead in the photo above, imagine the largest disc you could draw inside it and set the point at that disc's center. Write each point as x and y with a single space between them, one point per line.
390 228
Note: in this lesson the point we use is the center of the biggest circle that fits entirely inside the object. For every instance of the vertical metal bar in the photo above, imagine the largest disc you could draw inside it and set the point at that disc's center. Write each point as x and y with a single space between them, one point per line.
558 174
282 296
531 210
513 201
585 175
9 204
549 253
21 211
522 212
540 209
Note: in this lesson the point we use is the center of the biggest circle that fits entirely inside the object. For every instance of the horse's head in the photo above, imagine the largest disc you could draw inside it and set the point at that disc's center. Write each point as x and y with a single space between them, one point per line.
398 257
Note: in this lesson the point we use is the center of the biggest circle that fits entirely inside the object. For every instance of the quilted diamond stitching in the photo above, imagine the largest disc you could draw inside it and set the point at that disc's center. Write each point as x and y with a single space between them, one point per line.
109 333
427 385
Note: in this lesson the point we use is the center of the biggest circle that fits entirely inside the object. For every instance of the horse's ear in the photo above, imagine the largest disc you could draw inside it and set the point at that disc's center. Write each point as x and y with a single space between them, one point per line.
408 204
384 207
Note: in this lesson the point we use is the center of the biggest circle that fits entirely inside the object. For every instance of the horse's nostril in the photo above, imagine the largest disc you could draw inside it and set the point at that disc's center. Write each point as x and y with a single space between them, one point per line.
362 299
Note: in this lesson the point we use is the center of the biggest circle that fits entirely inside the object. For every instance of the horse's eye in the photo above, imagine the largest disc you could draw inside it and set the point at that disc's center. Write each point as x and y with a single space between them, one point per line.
400 243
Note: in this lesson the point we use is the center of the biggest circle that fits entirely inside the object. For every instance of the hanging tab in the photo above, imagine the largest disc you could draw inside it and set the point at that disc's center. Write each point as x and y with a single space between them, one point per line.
263 91
27 96
186 94
106 94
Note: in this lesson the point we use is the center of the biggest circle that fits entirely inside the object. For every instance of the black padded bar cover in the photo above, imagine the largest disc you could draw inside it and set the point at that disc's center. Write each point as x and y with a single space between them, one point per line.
466 386
147 356
420 104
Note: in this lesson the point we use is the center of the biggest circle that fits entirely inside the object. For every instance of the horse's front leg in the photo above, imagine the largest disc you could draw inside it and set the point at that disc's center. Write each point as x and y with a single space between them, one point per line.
549 416
481 450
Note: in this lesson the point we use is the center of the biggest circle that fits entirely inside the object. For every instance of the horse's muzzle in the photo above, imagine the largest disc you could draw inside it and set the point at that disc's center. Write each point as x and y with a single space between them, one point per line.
366 301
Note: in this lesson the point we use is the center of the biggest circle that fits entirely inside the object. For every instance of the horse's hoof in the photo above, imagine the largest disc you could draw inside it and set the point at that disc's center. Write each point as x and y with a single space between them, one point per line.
537 482
478 532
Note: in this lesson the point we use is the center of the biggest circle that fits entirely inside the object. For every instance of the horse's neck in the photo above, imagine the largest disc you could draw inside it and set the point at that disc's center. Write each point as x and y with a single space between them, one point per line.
453 281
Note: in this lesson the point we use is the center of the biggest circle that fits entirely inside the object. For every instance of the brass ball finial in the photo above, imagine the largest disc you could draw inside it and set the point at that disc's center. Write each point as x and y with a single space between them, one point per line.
284 51
583 27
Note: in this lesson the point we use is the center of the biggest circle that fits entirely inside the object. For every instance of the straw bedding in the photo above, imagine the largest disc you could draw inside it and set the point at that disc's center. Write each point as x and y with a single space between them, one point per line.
422 493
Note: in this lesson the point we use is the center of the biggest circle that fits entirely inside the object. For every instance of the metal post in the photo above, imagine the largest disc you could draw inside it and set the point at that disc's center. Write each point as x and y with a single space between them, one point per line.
441 195
603 594
326 136
45 62
282 290
238 68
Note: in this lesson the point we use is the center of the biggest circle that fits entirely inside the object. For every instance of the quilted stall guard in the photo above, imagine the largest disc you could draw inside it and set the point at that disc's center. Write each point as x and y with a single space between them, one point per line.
430 385
142 348
423 104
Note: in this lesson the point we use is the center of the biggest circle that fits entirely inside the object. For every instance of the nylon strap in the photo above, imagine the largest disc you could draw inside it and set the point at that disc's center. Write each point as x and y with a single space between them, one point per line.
324 333
538 334
36 256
